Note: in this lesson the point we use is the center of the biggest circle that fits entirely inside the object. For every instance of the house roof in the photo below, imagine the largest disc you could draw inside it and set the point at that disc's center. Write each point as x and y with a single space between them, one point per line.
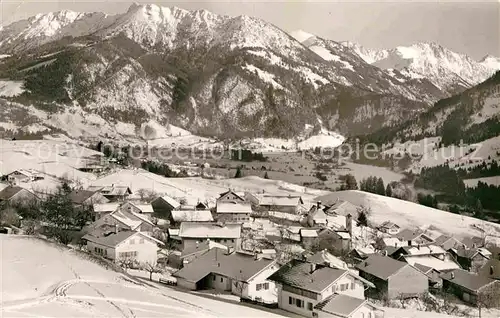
280 200
111 190
324 257
380 266
209 230
203 246
472 252
470 281
424 269
233 207
238 266
23 172
431 261
389 225
343 235
308 233
232 192
447 242
409 235
145 208
423 250
106 207
172 202
340 305
192 216
80 196
392 241
298 273
473 241
130 219
9 192
109 238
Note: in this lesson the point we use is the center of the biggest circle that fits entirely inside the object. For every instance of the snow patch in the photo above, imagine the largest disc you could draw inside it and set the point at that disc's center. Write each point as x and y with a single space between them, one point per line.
11 88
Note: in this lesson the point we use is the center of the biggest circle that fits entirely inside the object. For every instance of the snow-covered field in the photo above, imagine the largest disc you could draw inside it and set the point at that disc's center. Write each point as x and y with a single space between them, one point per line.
40 279
198 189
411 215
489 180
51 159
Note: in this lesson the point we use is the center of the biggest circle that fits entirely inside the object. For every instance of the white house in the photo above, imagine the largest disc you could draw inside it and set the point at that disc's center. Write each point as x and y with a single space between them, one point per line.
193 233
302 285
116 245
242 274
125 220
20 176
233 211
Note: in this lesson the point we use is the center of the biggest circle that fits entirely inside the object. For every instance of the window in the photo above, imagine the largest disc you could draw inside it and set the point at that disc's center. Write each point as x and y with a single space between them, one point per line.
353 285
299 303
258 287
342 287
334 288
232 241
215 278
309 306
127 254
222 279
266 286
141 241
290 300
132 241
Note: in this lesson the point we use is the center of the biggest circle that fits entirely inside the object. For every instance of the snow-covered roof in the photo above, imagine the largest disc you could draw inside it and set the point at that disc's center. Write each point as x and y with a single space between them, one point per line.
432 262
308 233
391 241
344 235
106 207
209 230
233 207
424 250
277 200
192 216
145 208
171 201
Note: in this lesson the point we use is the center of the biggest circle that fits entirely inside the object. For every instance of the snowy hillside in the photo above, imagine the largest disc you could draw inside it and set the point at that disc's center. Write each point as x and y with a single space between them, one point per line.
45 280
411 215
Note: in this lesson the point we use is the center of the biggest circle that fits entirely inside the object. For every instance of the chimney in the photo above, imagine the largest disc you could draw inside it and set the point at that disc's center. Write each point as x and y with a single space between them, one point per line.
348 225
385 253
116 228
452 275
318 204
312 268
418 246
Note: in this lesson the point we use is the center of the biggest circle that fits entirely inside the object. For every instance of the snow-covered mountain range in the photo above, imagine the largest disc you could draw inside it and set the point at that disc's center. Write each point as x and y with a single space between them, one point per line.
213 75
451 72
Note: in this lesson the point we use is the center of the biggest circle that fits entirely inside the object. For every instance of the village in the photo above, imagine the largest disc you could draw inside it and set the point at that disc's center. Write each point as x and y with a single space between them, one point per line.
279 252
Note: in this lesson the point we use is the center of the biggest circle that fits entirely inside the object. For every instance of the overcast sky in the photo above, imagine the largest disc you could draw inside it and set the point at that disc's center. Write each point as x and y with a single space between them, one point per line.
471 27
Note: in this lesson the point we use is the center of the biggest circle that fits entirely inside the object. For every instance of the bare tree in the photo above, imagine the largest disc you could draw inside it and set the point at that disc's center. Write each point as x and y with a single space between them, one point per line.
127 262
152 268
488 298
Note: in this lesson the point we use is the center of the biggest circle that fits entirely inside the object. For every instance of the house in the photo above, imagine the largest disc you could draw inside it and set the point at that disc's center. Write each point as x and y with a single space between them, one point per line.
323 257
302 285
179 216
163 205
344 306
413 237
341 207
447 242
439 263
418 250
125 220
392 278
201 206
491 269
101 209
390 242
86 198
119 245
146 209
20 176
191 252
316 216
471 259
193 233
473 242
472 288
15 195
434 276
338 240
357 255
308 237
231 196
233 211
242 274
113 192
389 228
285 204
